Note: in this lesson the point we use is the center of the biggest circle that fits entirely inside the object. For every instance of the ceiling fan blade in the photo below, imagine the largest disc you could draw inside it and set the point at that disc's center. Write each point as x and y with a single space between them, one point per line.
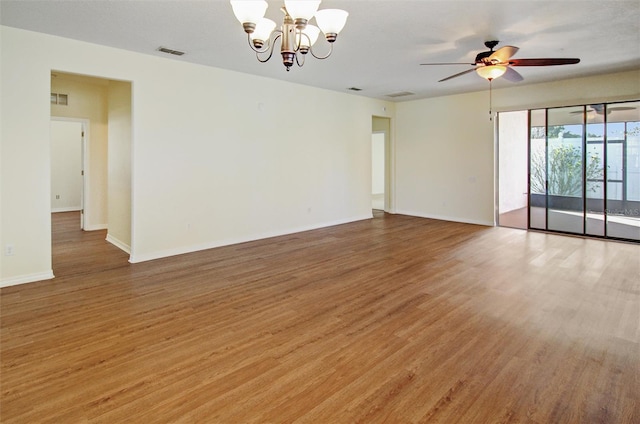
449 63
542 62
503 54
611 109
458 74
512 75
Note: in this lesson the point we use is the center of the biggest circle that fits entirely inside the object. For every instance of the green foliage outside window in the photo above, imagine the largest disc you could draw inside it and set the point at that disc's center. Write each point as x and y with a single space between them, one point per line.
565 171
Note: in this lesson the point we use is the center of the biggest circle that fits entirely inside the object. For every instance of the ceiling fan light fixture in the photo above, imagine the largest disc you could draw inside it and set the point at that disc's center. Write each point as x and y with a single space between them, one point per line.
491 72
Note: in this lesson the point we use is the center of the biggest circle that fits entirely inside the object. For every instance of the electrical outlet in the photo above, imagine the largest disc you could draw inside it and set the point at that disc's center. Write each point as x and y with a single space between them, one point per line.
57 196
9 250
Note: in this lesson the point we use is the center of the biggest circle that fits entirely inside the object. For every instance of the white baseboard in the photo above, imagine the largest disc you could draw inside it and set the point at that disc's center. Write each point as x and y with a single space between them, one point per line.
67 209
195 248
446 218
119 244
95 227
23 279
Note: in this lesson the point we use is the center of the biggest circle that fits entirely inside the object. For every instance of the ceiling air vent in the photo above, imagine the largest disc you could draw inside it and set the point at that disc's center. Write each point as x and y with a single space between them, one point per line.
401 94
59 99
170 51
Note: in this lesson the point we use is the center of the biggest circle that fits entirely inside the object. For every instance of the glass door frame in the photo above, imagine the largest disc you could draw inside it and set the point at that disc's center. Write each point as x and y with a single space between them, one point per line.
585 179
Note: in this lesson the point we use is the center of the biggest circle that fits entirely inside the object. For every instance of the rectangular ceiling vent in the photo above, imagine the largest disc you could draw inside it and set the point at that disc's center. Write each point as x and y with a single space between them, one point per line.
170 51
401 94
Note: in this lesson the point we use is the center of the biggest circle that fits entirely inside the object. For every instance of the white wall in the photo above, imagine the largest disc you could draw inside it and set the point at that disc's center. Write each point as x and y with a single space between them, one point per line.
513 160
212 163
377 163
119 100
445 145
66 166
444 150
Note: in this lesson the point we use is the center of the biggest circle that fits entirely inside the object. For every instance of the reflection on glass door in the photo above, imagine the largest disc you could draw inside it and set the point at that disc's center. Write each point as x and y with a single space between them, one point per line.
584 170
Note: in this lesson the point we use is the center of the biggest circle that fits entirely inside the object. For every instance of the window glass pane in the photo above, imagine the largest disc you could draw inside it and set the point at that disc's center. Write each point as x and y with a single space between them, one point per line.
595 170
633 161
538 170
565 169
623 170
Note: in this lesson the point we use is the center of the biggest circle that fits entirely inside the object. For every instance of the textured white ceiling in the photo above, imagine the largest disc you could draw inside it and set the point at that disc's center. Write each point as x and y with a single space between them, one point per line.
380 48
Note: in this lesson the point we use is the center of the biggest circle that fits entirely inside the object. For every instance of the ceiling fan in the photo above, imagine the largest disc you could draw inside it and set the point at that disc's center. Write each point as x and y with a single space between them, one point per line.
599 109
493 64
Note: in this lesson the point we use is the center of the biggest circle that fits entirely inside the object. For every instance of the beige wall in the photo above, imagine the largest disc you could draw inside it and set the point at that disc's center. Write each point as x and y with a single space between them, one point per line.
212 163
119 178
445 146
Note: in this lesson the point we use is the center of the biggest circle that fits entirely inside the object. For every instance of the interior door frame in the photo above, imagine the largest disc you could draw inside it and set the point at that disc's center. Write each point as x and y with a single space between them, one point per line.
84 151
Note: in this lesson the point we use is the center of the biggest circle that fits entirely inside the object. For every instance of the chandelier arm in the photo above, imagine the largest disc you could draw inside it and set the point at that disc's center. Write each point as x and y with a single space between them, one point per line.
298 60
270 49
299 38
322 57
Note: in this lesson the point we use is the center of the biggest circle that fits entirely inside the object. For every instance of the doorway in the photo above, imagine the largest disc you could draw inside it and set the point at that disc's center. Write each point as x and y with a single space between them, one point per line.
68 144
512 169
380 164
103 106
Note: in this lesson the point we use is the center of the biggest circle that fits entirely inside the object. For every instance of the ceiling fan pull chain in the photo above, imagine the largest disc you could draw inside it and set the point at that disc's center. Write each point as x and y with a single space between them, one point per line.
490 101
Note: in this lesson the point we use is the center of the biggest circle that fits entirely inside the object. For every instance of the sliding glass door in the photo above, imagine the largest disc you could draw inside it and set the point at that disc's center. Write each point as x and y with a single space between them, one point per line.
584 170
623 170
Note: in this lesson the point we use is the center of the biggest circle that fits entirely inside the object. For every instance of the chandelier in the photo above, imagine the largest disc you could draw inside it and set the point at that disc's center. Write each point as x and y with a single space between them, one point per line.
296 35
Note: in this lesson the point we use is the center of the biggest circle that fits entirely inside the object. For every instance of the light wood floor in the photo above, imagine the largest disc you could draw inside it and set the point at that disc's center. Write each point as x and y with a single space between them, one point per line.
395 319
514 219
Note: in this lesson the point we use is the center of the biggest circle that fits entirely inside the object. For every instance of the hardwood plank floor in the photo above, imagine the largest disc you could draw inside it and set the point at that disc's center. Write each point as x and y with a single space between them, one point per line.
395 319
